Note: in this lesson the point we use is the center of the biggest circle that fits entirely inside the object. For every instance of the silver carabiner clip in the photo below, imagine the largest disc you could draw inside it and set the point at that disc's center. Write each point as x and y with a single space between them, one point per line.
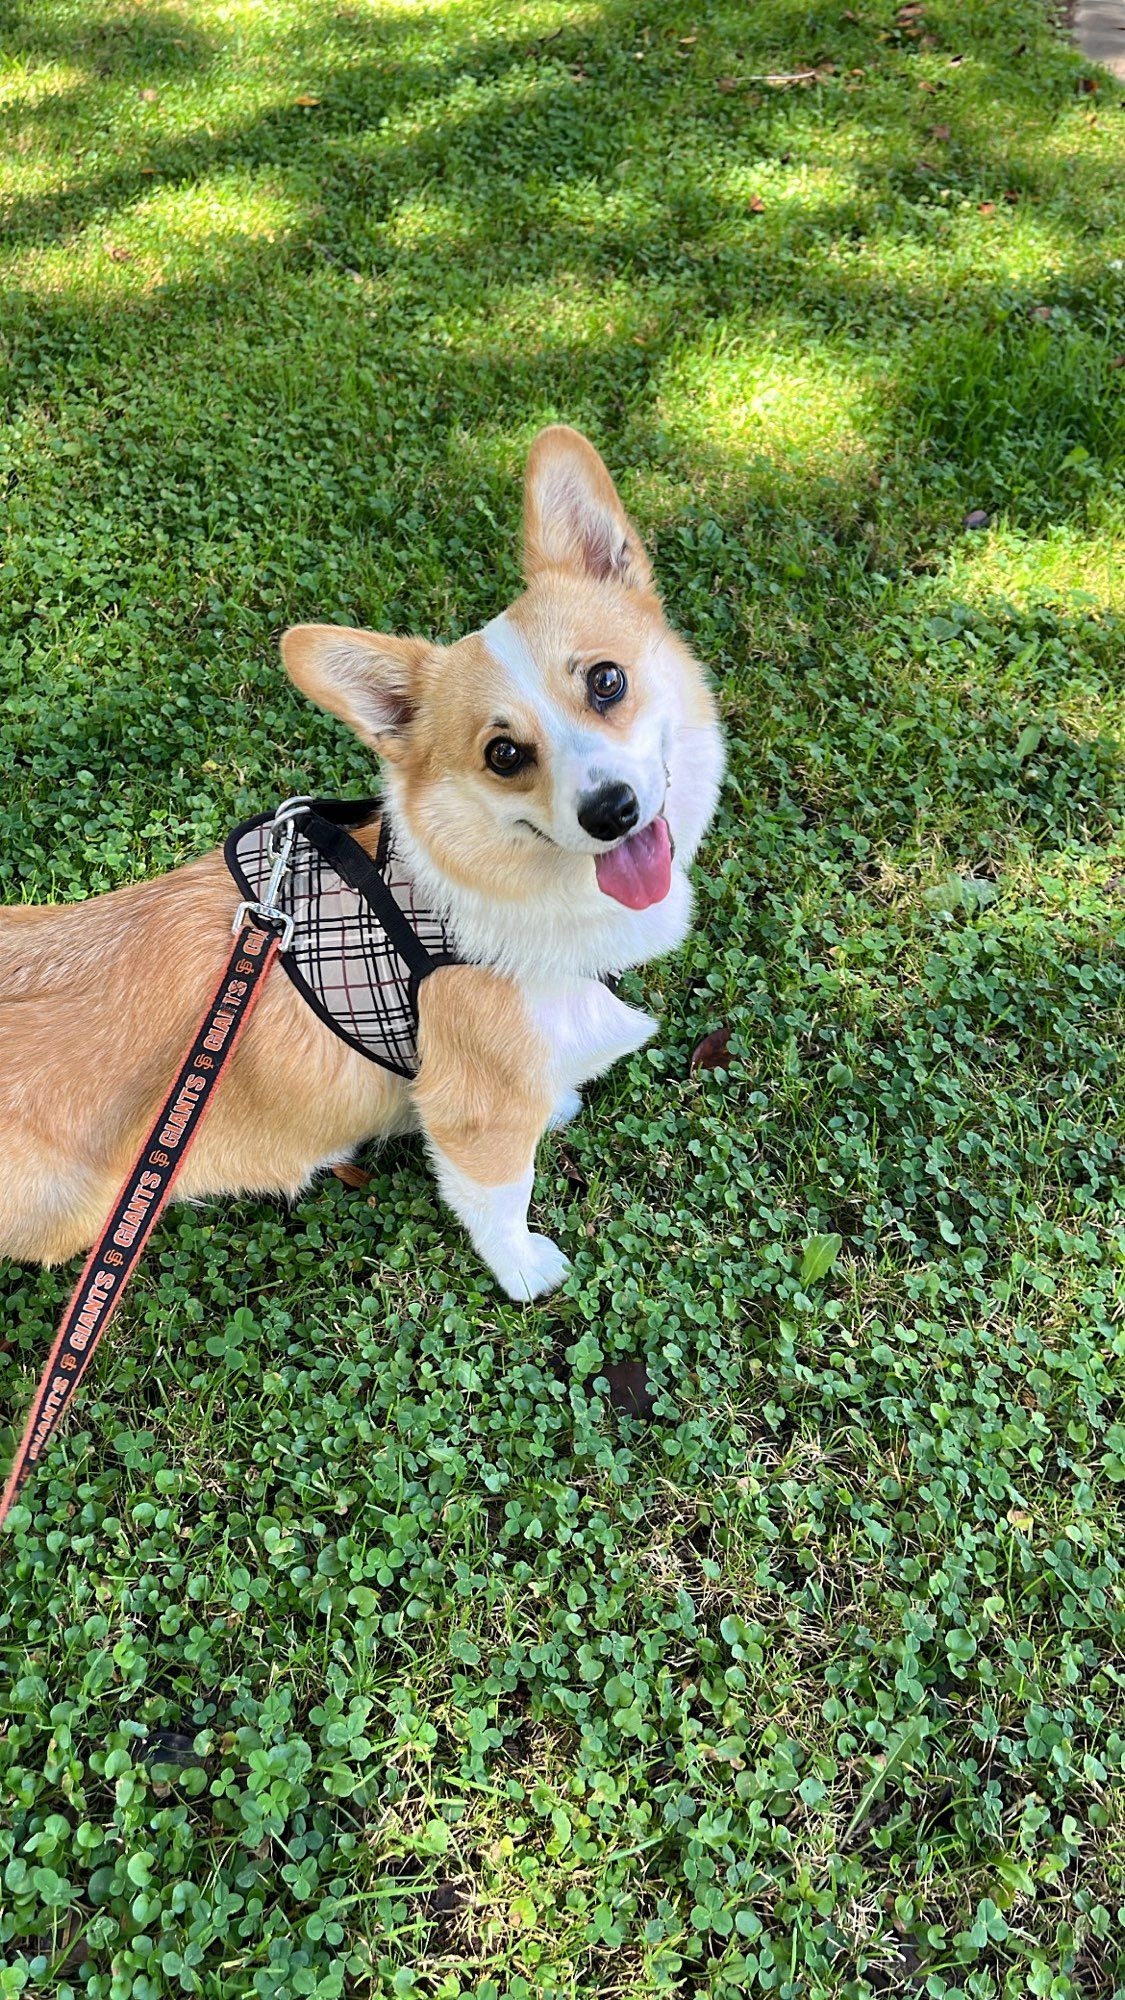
279 847
282 822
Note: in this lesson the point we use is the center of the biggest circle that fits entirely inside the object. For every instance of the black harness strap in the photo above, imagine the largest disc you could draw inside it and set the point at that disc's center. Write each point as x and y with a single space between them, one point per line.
355 867
360 943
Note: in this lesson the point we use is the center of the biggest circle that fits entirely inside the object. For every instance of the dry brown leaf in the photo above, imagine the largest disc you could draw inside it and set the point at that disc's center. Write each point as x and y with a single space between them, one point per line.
150 97
757 205
711 1052
117 255
307 101
1042 313
352 1176
727 84
572 1171
1118 361
939 132
629 1387
987 207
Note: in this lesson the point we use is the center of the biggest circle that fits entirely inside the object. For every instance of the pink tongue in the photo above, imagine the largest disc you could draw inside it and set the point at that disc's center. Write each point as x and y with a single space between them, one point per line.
639 872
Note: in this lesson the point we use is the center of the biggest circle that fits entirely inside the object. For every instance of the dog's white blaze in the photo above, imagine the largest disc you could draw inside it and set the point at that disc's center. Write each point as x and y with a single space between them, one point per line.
511 651
582 758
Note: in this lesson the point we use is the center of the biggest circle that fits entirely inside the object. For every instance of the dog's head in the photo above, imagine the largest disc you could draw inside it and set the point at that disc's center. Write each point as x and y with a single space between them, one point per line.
573 736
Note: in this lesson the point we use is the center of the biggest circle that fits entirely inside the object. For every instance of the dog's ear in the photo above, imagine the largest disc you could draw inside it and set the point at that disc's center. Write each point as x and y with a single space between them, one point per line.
366 678
572 517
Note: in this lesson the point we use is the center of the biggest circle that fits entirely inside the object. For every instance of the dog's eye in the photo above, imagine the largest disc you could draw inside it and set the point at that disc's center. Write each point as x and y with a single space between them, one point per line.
606 684
504 756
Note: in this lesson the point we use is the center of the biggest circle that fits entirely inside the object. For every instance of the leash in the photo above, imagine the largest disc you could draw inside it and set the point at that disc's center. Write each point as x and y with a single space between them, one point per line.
262 930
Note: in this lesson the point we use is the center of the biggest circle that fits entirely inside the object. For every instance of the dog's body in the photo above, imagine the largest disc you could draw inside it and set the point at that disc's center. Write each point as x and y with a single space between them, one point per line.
548 781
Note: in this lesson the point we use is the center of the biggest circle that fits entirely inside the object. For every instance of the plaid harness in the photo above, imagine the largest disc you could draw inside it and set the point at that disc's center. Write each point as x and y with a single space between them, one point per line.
360 945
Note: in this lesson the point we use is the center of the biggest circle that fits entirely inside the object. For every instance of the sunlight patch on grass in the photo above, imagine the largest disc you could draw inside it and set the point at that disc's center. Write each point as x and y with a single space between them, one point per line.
567 310
801 411
173 234
215 210
1063 565
26 88
428 219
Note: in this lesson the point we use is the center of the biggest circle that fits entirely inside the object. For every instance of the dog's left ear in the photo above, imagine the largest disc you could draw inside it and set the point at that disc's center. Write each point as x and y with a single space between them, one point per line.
366 678
572 517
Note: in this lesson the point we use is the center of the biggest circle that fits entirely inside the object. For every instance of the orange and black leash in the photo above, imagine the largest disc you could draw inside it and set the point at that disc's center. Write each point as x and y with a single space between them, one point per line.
117 1252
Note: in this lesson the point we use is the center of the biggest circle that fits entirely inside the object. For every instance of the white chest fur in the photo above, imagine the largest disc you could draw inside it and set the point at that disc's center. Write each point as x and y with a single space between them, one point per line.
586 1027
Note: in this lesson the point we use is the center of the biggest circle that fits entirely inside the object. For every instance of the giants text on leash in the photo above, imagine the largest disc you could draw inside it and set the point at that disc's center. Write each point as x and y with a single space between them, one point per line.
118 1250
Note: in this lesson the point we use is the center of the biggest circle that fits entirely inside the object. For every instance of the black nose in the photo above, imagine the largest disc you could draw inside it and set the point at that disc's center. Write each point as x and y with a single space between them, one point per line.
609 813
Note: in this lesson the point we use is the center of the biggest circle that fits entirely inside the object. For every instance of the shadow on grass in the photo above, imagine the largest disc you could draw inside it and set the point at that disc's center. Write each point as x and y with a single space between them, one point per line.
481 229
531 199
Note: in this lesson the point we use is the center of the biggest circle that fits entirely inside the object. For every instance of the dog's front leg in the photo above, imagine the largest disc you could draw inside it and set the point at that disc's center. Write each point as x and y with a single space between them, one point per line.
484 1095
526 1265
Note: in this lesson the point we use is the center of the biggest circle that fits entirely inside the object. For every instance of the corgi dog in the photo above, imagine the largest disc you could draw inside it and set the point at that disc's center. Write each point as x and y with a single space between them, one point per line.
547 780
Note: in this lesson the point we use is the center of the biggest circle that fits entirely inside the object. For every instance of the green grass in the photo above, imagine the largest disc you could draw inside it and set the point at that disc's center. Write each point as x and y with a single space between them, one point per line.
474 1682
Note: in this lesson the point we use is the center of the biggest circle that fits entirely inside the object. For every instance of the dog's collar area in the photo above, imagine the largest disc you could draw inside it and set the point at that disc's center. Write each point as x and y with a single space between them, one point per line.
359 941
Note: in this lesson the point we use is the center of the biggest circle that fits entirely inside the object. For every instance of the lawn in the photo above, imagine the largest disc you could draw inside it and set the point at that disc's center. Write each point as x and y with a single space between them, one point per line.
750 1617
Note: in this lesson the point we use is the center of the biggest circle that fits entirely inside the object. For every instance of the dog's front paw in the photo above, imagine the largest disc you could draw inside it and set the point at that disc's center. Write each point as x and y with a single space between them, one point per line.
567 1106
536 1266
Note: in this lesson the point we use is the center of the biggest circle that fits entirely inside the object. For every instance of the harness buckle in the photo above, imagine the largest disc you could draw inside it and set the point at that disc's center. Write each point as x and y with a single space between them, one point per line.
279 846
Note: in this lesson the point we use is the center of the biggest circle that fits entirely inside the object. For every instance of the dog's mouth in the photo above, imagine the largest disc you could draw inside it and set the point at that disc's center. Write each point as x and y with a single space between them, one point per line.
537 831
639 872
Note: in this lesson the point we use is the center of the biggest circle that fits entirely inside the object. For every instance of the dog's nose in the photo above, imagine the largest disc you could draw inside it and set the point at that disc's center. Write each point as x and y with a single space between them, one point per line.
608 813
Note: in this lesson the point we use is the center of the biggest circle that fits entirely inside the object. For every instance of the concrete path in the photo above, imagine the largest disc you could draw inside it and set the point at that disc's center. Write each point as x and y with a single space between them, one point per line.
1098 27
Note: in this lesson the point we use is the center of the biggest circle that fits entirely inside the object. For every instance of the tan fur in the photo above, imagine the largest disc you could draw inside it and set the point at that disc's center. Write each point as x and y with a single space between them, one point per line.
98 1001
481 1092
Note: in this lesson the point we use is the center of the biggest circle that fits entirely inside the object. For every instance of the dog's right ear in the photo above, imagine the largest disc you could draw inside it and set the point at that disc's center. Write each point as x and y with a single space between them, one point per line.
366 678
572 516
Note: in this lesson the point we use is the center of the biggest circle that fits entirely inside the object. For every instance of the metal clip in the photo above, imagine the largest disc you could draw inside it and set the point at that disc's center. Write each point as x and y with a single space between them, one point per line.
279 846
